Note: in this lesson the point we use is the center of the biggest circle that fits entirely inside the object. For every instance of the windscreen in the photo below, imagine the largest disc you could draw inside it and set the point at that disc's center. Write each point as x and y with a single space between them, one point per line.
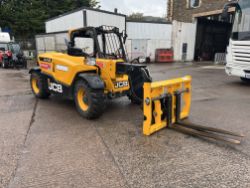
85 44
3 47
241 27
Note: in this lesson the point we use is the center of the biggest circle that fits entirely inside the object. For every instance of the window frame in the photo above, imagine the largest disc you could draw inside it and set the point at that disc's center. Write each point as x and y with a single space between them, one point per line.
193 7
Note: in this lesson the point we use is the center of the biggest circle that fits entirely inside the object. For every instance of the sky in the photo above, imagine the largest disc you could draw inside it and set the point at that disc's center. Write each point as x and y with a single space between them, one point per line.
148 7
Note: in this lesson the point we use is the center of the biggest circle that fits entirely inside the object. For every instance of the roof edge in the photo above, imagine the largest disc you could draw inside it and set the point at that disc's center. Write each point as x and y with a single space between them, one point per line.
85 8
152 22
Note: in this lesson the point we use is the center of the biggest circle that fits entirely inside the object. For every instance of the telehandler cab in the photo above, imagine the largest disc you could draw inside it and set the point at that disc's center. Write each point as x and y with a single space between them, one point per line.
96 68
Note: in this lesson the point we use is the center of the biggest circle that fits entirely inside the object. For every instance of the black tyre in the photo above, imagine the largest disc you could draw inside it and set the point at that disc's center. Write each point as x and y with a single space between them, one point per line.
245 80
90 103
137 78
135 61
4 64
25 64
39 85
15 65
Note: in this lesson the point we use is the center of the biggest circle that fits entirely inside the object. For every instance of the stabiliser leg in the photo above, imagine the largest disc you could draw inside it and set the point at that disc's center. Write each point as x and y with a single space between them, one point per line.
193 129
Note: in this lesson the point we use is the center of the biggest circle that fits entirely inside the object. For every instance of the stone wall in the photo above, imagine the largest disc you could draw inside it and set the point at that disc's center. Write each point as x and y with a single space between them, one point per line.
179 10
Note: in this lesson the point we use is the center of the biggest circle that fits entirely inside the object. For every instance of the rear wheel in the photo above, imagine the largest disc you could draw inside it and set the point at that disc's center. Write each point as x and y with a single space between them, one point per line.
89 102
39 85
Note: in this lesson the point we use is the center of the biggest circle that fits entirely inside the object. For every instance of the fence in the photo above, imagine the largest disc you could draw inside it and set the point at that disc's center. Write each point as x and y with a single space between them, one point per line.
28 47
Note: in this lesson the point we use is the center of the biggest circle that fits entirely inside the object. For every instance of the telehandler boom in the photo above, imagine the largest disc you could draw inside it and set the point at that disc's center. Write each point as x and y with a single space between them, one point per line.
96 68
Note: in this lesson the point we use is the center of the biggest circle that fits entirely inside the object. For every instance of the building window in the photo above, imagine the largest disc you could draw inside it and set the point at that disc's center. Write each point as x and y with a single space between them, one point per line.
193 3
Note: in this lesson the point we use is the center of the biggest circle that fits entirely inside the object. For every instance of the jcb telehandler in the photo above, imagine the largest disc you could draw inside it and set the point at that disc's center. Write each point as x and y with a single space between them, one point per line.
96 68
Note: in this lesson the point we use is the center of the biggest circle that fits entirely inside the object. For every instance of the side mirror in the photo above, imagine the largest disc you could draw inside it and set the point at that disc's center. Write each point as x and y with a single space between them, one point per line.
125 36
68 43
225 14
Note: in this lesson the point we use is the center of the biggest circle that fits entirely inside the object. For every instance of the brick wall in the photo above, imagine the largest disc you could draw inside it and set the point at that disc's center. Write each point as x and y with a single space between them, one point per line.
178 10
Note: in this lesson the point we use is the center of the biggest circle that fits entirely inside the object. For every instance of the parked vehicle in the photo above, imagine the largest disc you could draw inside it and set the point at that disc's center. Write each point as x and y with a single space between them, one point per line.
238 51
4 37
12 56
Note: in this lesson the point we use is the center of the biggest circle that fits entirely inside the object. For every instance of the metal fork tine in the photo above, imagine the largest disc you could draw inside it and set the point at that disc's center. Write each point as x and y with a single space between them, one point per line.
194 132
210 129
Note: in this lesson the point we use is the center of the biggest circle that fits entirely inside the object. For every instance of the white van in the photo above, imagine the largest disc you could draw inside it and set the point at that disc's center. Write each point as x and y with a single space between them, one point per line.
4 37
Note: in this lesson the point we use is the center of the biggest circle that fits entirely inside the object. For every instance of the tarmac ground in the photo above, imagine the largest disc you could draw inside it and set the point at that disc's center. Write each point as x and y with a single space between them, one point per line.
45 143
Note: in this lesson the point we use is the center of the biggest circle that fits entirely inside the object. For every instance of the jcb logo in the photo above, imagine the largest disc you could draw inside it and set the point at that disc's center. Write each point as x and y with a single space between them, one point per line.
56 87
121 84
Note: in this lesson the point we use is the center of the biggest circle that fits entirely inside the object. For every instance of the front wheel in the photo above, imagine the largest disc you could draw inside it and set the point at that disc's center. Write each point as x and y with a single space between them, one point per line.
245 80
89 102
4 64
25 64
137 78
39 85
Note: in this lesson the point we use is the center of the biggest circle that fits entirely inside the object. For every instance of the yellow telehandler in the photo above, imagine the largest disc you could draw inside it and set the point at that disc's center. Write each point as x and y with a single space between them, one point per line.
96 68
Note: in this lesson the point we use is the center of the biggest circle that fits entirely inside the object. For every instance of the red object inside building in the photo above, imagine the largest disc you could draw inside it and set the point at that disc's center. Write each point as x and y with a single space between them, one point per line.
164 56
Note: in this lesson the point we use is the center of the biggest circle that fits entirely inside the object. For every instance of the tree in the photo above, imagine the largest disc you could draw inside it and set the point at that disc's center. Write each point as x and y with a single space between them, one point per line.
136 16
26 18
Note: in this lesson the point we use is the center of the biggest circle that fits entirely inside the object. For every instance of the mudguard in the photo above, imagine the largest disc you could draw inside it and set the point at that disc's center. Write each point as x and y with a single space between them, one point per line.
94 80
35 69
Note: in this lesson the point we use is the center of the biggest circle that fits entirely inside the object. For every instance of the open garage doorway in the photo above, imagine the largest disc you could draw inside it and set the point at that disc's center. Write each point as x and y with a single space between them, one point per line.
212 37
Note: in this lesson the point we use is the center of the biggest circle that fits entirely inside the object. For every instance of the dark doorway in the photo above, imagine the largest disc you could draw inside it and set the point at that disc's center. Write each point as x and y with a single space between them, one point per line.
212 37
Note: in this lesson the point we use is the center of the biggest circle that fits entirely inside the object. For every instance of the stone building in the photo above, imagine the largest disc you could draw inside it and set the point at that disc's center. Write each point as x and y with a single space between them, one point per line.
198 31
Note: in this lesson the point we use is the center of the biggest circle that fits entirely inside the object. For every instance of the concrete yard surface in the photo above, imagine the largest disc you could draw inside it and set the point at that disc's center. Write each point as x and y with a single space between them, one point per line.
45 143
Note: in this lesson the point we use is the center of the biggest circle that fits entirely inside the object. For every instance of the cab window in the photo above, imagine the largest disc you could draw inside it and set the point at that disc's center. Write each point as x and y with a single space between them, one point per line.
85 44
3 47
